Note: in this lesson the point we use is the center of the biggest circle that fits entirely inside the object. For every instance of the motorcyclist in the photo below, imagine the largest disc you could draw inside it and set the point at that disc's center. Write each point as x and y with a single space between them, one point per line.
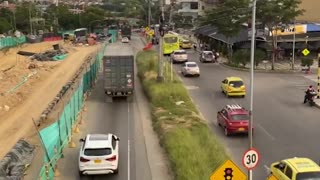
308 93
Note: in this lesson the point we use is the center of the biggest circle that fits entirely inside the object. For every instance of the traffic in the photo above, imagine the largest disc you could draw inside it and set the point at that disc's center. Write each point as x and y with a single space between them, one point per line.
234 118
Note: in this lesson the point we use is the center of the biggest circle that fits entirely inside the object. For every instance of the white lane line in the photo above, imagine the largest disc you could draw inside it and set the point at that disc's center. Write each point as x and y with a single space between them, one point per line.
128 141
265 131
267 169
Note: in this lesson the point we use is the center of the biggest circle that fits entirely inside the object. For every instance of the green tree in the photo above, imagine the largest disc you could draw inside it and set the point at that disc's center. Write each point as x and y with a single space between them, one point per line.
242 57
5 26
275 14
228 17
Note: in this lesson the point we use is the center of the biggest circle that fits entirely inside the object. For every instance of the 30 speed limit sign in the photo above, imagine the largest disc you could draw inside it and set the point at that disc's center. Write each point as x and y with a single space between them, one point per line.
250 158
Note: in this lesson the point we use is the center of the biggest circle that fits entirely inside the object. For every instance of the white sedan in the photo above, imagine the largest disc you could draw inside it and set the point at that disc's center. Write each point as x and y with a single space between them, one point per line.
99 154
190 68
125 40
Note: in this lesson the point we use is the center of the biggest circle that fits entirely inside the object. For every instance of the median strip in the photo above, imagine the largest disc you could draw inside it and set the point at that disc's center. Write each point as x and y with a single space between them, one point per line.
193 150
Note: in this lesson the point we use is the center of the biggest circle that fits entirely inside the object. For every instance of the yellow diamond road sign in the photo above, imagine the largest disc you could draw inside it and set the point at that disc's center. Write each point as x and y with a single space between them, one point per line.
305 52
228 170
272 177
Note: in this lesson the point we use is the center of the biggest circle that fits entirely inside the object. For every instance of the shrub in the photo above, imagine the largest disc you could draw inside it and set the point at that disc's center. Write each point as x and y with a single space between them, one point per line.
180 127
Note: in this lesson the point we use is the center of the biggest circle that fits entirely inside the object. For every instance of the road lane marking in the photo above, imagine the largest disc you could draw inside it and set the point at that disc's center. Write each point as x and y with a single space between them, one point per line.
267 169
265 131
128 140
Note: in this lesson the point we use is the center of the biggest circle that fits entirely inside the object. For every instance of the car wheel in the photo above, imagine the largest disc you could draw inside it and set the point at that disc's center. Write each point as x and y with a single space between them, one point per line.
227 95
226 132
81 174
243 96
116 171
218 123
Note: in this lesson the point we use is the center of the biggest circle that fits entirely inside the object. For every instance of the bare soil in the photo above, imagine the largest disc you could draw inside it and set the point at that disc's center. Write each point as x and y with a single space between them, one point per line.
18 108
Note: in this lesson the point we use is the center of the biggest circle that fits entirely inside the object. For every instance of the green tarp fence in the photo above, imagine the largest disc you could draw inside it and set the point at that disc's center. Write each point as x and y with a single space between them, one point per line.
11 41
55 137
114 34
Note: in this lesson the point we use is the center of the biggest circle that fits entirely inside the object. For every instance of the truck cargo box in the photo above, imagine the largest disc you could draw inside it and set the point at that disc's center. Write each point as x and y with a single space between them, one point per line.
118 68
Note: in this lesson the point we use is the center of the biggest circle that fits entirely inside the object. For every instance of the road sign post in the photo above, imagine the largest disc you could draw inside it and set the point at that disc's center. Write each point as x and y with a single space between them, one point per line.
250 159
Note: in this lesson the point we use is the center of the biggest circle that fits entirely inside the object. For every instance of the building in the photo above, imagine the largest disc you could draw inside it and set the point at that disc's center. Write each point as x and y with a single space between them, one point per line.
312 11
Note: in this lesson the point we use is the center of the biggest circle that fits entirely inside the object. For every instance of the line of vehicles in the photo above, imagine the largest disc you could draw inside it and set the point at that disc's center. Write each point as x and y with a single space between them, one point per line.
233 118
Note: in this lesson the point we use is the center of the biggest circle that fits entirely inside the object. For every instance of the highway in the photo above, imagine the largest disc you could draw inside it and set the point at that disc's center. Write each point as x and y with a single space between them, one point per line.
121 118
284 127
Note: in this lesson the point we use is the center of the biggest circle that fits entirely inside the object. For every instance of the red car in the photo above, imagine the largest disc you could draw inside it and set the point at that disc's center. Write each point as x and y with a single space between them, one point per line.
234 119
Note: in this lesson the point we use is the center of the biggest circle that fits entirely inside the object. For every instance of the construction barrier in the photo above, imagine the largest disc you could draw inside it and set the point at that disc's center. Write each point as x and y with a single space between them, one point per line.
11 41
58 38
55 137
114 35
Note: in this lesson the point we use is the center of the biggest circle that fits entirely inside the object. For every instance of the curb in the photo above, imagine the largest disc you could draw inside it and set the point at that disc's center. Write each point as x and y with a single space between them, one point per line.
261 71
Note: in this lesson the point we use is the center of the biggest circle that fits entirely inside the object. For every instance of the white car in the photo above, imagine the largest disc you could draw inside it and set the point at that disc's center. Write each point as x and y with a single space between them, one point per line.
179 56
99 154
125 40
190 68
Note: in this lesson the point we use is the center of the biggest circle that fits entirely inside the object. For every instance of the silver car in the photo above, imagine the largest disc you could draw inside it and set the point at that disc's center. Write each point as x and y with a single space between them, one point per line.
179 56
207 56
190 69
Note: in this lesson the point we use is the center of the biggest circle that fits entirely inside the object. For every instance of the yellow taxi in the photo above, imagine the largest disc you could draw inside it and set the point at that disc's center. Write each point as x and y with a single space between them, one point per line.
185 44
295 169
233 86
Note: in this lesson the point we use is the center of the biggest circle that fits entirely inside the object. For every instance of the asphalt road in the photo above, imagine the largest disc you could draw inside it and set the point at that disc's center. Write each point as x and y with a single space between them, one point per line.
121 118
284 127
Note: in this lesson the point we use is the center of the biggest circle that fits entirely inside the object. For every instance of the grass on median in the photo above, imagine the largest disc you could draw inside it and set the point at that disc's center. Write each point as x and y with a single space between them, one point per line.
193 150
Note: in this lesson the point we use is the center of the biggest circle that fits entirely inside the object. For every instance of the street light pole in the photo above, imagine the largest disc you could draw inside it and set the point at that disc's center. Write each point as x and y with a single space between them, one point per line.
253 37
149 13
294 44
161 32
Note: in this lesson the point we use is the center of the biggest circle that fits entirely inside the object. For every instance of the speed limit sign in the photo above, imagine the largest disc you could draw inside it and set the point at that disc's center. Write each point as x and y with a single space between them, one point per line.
250 158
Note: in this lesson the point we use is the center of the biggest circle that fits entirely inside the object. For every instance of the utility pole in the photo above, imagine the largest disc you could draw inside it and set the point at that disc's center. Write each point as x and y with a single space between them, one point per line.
161 32
293 44
253 40
149 13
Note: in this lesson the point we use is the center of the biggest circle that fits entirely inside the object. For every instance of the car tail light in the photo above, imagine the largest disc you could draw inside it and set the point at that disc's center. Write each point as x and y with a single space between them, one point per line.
229 89
82 159
113 158
243 88
230 123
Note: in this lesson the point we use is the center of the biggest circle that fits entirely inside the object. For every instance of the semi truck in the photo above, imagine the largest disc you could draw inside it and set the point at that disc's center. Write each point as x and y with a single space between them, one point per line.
118 71
126 31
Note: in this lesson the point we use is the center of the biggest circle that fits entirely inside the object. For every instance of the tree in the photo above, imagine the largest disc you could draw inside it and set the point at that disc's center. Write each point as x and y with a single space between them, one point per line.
228 17
275 14
242 56
5 26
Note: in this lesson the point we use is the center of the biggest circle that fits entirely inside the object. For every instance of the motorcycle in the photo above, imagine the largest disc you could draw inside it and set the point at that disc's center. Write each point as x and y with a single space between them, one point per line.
310 98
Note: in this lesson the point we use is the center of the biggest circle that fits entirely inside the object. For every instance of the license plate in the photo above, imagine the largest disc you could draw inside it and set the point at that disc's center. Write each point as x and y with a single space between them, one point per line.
119 93
97 161
241 129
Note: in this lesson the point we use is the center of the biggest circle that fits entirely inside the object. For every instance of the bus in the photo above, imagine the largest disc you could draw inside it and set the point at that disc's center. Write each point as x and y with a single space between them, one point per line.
170 43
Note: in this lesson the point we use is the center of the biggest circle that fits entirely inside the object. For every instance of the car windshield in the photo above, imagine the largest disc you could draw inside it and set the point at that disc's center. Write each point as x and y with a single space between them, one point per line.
308 176
179 53
191 65
97 152
170 39
236 83
239 117
208 55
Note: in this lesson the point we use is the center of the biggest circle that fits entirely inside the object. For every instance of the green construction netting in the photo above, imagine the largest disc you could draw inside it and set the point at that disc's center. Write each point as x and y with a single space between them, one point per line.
114 33
11 41
56 135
